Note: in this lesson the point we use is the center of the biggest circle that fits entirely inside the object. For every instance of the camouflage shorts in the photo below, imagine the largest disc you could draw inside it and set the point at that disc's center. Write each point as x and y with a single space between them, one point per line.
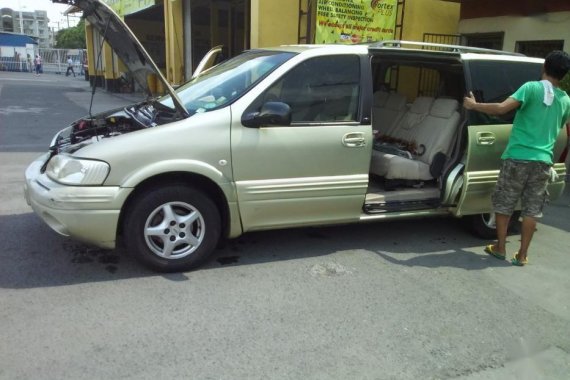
524 180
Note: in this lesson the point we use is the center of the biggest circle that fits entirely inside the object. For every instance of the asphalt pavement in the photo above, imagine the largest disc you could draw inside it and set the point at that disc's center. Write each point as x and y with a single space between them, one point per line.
103 99
35 107
397 300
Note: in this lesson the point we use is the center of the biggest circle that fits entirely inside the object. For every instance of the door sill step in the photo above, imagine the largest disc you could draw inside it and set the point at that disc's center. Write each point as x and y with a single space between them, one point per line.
394 206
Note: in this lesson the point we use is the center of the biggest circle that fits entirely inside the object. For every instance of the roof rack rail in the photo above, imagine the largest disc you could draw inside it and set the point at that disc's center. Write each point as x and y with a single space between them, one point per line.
441 47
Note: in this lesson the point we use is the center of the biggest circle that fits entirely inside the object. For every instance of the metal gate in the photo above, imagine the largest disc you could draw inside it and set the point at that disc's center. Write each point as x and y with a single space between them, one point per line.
53 61
429 80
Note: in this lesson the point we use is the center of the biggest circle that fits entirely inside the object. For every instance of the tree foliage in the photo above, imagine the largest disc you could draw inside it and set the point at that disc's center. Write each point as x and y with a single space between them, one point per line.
71 38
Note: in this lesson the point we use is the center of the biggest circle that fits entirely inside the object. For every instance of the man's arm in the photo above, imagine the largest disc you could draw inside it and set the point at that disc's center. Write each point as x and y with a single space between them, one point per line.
508 105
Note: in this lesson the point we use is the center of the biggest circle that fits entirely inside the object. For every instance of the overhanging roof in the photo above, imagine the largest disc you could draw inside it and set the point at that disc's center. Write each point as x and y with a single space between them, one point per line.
13 39
71 9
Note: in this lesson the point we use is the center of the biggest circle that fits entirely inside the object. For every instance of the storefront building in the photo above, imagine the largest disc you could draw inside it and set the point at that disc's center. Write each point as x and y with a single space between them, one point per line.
530 27
177 33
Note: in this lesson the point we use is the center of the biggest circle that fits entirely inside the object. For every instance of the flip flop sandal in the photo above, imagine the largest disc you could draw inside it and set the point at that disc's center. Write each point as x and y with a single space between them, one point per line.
519 263
490 249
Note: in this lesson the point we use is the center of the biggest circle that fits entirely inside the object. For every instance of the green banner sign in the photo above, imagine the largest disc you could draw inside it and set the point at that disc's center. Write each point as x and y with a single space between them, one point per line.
132 6
355 21
127 7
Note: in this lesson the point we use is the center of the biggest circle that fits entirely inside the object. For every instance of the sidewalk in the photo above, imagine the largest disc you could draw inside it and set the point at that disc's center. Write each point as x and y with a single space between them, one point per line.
103 100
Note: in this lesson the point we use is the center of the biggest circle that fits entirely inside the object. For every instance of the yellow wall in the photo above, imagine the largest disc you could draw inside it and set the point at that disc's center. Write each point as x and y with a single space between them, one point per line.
425 16
109 62
102 66
429 16
274 22
90 49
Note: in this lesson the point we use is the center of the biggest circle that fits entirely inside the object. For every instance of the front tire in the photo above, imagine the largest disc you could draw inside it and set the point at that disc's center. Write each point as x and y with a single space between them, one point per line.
172 229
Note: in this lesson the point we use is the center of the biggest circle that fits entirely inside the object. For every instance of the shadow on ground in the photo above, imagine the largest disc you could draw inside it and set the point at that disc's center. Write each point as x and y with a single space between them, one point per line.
35 256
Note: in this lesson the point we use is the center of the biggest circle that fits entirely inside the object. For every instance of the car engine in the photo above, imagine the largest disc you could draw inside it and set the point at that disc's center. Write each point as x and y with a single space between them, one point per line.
88 130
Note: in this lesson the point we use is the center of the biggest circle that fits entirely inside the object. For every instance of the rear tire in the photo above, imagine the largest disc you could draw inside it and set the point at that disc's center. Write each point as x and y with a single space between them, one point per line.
483 225
172 229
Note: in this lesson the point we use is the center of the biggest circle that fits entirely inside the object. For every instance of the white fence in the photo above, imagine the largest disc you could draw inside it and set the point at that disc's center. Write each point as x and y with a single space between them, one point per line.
53 61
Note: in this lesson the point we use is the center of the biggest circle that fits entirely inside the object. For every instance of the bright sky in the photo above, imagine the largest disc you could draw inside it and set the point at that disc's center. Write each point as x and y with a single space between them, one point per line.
54 10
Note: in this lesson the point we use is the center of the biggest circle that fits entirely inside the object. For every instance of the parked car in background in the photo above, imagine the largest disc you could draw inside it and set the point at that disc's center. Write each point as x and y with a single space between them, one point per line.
278 138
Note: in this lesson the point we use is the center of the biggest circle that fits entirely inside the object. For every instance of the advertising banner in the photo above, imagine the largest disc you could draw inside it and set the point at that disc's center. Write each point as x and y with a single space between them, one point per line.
355 21
127 7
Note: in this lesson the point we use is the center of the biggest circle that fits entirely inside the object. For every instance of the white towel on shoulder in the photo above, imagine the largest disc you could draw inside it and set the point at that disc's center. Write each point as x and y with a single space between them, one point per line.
548 92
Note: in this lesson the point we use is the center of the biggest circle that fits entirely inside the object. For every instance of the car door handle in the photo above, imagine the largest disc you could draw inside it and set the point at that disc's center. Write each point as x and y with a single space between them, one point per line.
354 140
485 138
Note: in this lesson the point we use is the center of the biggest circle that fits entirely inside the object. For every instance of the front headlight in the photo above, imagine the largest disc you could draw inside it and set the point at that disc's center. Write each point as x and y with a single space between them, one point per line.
74 171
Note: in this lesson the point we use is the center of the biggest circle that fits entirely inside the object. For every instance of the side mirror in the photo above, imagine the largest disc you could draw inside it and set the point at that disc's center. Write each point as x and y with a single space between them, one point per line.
271 113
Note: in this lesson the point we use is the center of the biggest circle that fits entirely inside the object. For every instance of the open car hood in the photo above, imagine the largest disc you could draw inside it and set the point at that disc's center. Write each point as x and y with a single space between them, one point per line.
124 43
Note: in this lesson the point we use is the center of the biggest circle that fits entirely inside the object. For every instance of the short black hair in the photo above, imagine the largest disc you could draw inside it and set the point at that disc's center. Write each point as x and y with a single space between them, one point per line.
557 64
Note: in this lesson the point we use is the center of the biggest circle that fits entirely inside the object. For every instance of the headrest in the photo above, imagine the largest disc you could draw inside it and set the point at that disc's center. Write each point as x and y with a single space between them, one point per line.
396 102
380 98
417 113
444 108
421 105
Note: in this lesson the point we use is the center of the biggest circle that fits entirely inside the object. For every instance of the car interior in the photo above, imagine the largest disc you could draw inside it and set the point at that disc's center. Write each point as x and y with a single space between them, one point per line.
417 119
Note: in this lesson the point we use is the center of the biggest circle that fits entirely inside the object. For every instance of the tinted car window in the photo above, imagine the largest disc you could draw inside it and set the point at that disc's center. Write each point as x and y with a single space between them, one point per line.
495 81
322 89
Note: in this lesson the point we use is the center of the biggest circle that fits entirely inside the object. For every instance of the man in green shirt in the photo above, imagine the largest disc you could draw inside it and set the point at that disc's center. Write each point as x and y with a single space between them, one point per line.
542 109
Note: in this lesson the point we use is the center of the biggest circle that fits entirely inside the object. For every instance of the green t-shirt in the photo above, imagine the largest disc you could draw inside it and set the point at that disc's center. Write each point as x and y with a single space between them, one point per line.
536 126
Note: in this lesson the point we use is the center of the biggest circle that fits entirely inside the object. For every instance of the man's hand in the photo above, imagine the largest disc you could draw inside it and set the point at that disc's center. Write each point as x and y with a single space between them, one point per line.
469 102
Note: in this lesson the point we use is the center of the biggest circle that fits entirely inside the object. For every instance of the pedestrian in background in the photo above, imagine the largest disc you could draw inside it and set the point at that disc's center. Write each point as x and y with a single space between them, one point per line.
69 67
38 64
542 110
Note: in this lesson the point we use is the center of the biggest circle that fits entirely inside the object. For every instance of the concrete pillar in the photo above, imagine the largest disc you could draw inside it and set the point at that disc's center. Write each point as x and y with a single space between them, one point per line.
274 22
174 38
187 19
108 68
90 49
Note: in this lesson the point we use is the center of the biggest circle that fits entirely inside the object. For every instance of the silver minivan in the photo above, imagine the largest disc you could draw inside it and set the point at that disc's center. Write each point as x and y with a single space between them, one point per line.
277 138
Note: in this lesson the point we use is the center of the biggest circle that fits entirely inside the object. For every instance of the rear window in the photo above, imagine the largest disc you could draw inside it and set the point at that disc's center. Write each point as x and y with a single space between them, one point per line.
495 81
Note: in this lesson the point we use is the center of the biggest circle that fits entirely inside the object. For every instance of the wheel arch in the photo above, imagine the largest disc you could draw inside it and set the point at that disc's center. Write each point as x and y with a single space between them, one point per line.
209 187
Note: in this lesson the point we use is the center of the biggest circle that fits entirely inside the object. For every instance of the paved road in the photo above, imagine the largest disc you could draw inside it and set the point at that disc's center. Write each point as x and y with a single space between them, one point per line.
34 108
399 300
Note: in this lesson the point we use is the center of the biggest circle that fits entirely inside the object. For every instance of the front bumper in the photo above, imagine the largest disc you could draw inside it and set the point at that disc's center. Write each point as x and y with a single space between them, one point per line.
86 213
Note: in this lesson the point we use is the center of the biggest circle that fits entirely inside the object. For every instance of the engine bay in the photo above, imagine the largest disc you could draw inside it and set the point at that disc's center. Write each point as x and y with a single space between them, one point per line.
88 130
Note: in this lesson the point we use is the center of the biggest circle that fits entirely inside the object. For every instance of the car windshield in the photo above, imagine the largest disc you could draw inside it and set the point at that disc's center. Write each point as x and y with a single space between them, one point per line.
227 81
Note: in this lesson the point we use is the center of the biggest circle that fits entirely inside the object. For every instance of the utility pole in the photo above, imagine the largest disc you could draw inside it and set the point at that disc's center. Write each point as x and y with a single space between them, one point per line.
21 22
21 19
